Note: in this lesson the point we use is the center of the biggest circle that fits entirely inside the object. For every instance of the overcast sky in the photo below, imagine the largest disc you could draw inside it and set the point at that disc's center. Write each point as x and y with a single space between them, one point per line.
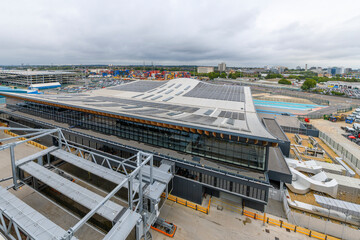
202 32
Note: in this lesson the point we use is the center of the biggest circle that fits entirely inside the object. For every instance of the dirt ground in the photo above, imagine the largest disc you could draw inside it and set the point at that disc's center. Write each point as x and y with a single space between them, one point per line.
280 98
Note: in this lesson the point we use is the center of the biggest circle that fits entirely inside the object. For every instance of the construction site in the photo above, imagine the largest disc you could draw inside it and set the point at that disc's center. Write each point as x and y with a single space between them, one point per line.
141 163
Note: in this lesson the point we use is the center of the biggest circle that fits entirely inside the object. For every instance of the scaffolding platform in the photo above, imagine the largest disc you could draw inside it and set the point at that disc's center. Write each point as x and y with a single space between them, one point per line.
158 173
35 156
72 190
155 190
94 168
28 219
124 226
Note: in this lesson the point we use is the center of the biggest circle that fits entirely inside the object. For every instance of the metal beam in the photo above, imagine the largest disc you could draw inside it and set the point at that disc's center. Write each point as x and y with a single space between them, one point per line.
20 136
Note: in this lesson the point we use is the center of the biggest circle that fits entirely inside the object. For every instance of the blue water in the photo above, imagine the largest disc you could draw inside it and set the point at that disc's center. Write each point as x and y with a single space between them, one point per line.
274 112
285 105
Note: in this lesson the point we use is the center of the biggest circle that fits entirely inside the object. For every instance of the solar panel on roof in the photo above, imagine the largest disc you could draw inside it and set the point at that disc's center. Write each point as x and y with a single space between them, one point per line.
144 103
153 90
230 121
138 95
167 99
199 119
169 91
131 107
232 115
179 85
177 94
151 111
138 86
174 113
208 112
148 96
161 90
156 97
218 92
187 87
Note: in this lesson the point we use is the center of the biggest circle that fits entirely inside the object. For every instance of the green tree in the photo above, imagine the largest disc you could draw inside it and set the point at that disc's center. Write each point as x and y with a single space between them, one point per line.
273 75
308 84
284 81
223 75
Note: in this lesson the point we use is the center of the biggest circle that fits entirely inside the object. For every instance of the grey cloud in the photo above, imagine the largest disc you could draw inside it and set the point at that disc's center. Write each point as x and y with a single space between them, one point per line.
178 32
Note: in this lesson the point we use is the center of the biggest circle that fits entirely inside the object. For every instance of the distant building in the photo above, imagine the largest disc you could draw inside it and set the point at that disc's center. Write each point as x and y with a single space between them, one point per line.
26 78
305 67
205 69
298 68
278 69
347 70
222 67
336 70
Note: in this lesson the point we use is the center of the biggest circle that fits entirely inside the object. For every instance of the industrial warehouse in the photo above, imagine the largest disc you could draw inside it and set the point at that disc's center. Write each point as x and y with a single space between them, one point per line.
27 78
210 135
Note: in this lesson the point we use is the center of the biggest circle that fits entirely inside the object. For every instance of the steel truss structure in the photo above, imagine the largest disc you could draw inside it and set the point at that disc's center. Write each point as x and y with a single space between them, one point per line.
136 174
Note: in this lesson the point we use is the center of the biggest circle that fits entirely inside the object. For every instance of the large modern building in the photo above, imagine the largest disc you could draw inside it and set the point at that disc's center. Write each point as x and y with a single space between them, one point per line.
26 78
205 69
222 67
212 132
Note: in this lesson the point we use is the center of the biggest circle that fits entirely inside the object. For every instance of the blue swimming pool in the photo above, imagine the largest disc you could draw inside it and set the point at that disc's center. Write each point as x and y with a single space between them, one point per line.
285 105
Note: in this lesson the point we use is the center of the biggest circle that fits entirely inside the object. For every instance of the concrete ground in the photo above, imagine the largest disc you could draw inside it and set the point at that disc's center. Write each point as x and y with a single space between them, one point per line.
225 224
333 130
36 200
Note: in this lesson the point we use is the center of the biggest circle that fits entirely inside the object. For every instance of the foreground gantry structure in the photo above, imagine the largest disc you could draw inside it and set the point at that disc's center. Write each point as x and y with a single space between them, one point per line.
143 182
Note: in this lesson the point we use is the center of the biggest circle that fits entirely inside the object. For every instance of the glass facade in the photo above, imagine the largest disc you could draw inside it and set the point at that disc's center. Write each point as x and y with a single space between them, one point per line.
221 148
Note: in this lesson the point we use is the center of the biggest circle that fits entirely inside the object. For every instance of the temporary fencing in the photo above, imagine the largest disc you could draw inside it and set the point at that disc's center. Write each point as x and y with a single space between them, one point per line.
288 226
21 138
188 203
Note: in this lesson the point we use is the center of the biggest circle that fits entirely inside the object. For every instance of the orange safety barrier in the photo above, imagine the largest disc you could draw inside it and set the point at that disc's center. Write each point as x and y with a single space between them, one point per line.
186 203
30 142
289 226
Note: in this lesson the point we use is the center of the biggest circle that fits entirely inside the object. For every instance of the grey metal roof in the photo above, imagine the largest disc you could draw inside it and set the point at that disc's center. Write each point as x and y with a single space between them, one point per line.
339 205
139 86
73 191
26 217
278 168
203 106
272 125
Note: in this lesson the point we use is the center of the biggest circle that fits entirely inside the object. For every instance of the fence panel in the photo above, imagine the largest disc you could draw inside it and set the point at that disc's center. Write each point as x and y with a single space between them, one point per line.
341 151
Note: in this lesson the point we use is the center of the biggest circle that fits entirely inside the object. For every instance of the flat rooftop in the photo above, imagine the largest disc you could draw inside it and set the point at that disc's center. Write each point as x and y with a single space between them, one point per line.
32 73
184 102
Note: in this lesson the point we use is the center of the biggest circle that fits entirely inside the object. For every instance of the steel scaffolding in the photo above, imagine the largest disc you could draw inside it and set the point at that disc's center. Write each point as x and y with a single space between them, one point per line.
135 174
